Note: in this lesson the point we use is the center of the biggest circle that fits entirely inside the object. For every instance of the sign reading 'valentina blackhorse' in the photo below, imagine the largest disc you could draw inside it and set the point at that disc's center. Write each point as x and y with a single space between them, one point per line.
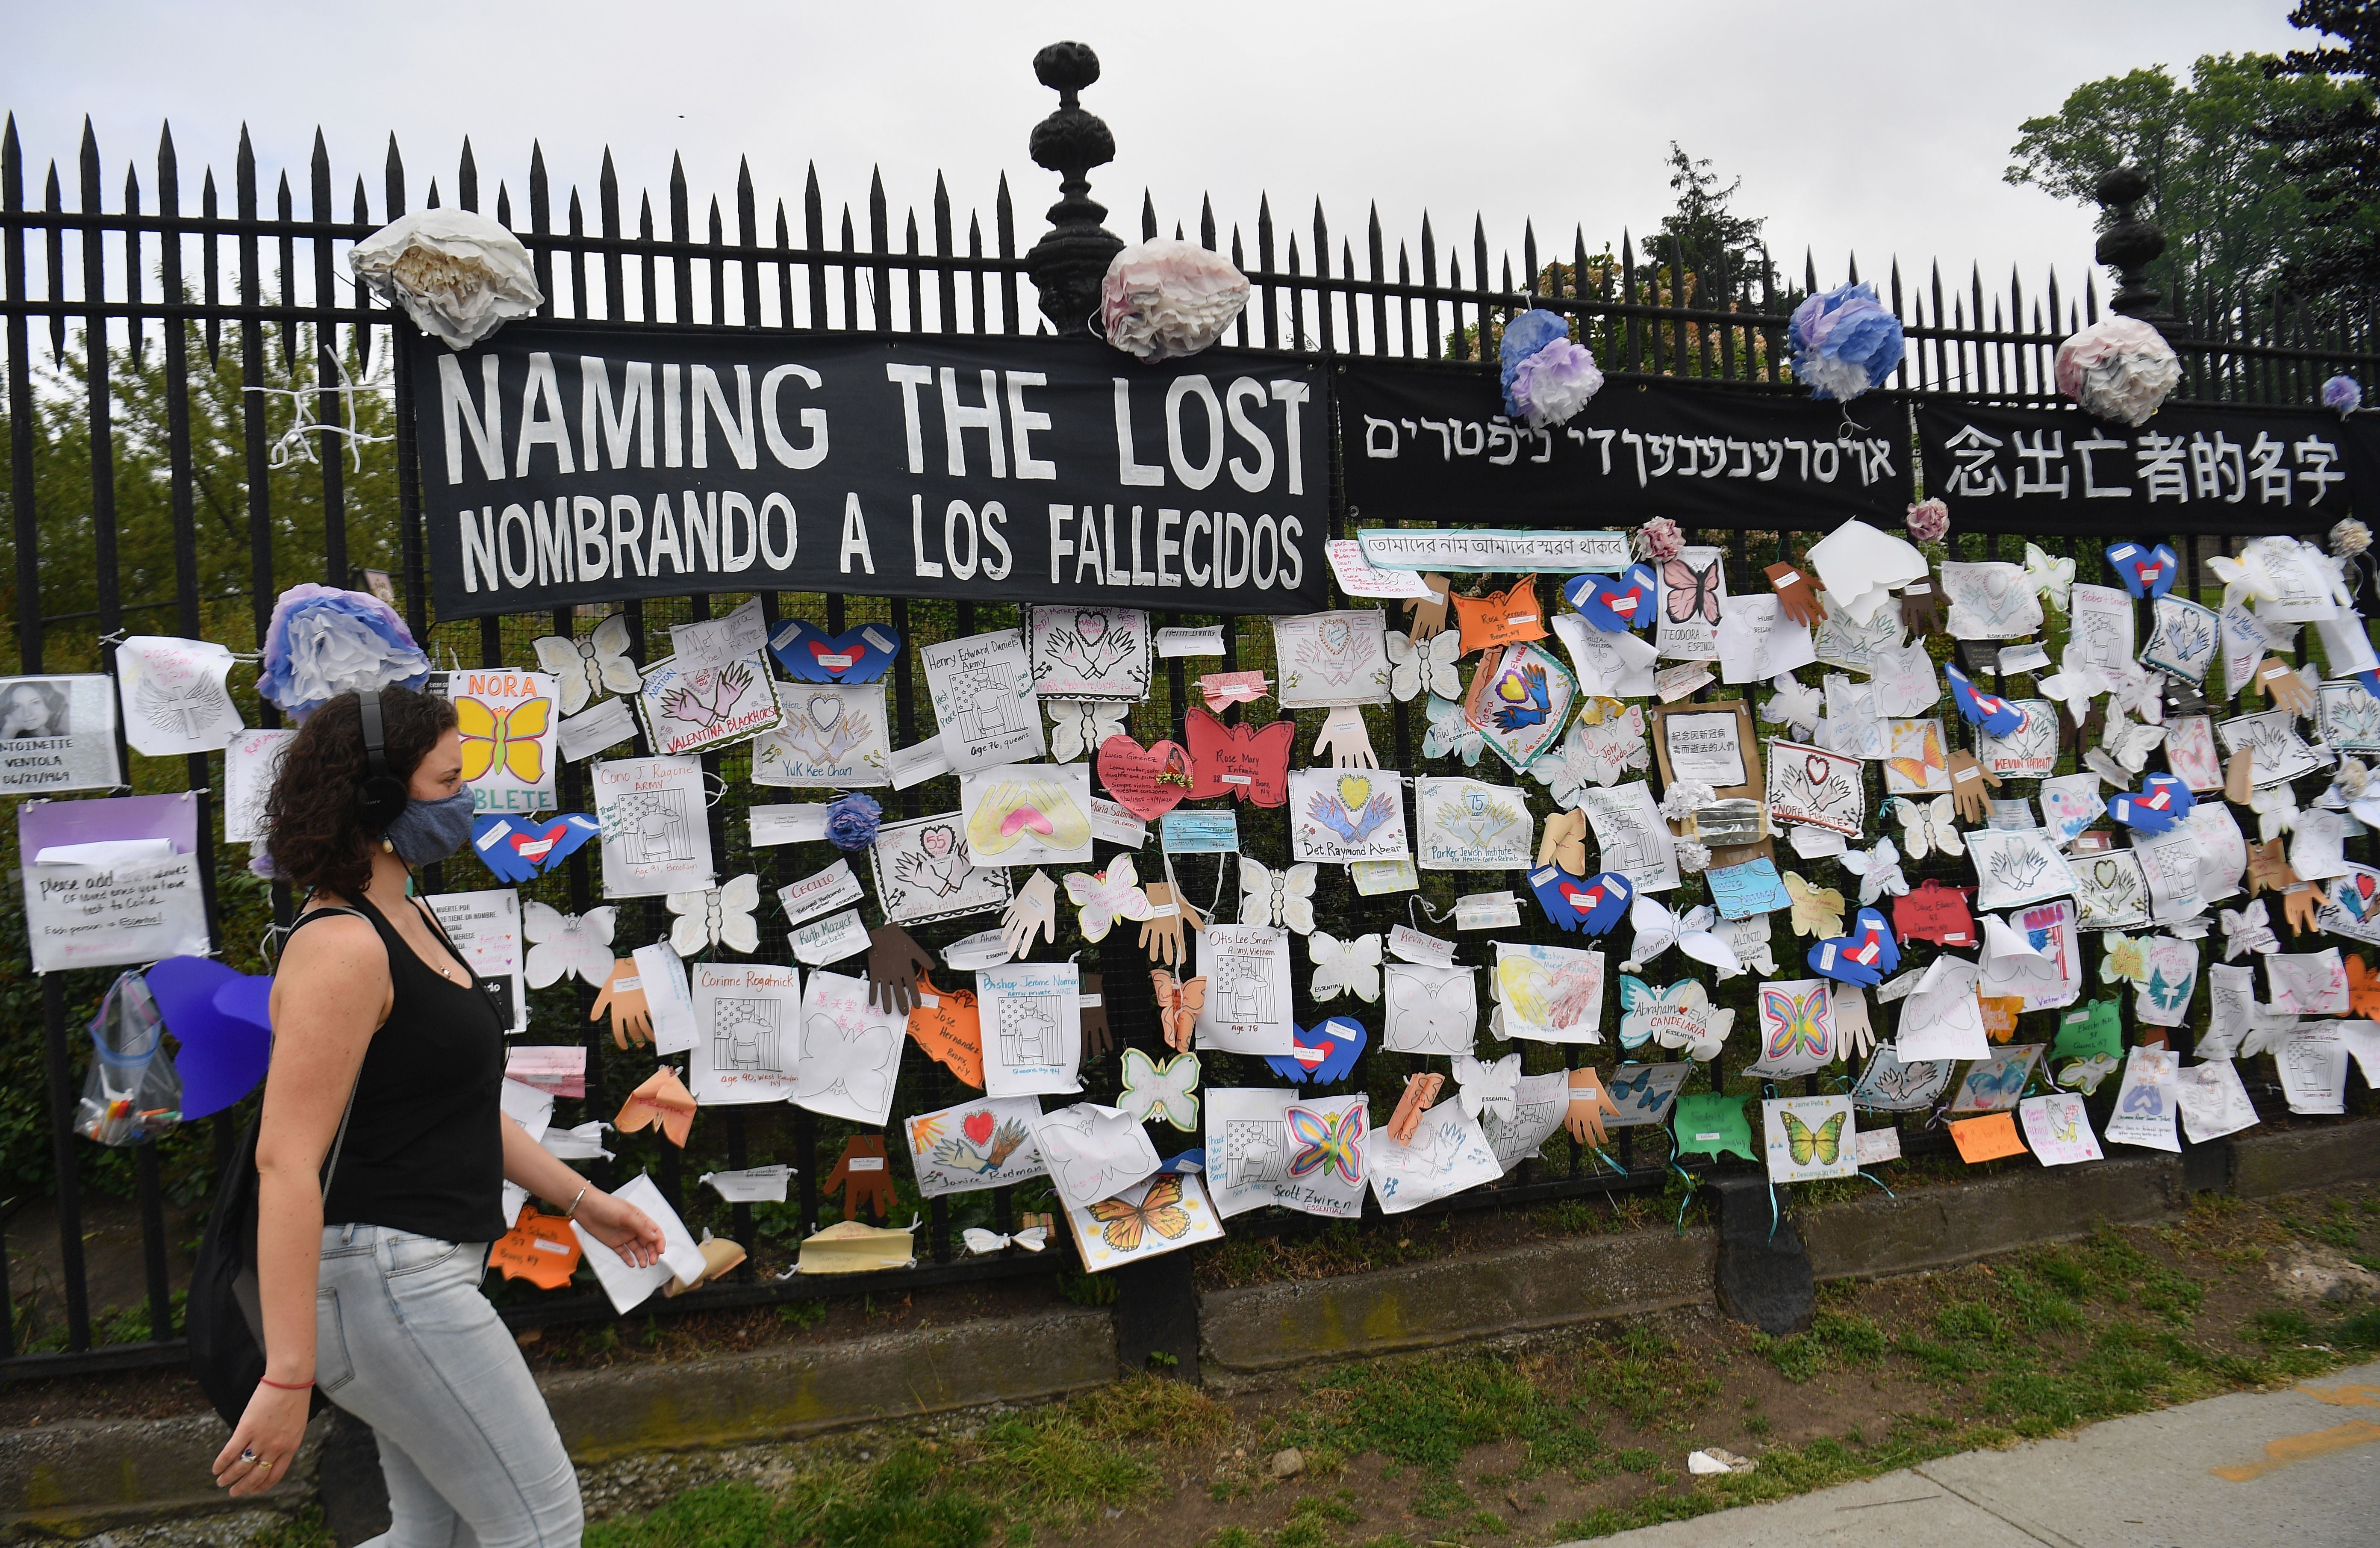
566 464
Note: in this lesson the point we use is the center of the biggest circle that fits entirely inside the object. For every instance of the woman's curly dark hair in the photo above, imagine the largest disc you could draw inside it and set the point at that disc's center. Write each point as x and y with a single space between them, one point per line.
314 824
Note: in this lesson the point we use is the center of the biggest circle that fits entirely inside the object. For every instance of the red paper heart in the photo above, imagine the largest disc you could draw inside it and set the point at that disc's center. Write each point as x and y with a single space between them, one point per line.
1148 782
979 1126
1626 602
533 847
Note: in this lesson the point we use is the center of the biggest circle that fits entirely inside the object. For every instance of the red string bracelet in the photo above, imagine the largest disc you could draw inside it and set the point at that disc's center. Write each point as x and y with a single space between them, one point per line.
284 1386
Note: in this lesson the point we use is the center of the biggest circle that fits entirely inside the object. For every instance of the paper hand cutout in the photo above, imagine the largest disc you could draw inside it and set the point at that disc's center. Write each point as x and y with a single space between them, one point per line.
2162 802
1324 1052
859 1182
1033 908
1429 612
2146 571
632 1019
662 1100
1590 1104
2279 679
1854 1033
1421 1093
2269 871
1615 603
893 963
1797 598
1989 711
1565 841
1160 933
1862 957
1097 1038
1921 608
1350 743
1968 782
1178 1005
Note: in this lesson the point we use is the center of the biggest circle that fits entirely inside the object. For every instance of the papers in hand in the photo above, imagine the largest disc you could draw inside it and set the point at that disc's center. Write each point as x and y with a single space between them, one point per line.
681 1256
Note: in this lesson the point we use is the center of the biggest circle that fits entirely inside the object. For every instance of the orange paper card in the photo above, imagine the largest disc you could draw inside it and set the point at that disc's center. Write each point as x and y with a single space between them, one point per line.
1501 617
1999 1015
1987 1137
541 1249
663 1100
947 1025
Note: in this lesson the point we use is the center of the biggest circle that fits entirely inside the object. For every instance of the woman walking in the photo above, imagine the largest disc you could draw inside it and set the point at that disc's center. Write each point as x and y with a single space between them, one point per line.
370 1290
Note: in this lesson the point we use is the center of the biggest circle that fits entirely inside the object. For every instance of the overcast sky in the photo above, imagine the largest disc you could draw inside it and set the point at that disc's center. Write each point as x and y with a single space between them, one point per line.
1879 126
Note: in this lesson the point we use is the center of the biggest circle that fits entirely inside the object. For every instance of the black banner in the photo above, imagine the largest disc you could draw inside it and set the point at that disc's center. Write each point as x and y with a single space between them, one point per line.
2198 469
1433 444
564 463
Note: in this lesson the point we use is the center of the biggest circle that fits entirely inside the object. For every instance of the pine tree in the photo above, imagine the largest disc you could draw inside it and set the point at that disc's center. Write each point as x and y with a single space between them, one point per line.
2333 152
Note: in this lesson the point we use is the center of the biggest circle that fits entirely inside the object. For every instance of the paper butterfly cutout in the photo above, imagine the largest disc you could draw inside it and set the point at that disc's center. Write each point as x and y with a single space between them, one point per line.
523 849
810 655
1429 665
1107 896
1169 1090
1452 733
2248 929
1501 617
1929 826
1436 1011
1124 1227
2052 580
1080 725
1277 897
978 1240
2162 802
562 944
1797 1025
583 668
1331 1142
507 738
1688 593
1485 1086
1012 808
1863 956
2145 572
1093 1154
1921 769
1796 706
1236 760
1349 967
858 1060
1178 1005
2084 1074
2075 685
1877 869
1825 1144
1615 603
1817 911
2244 578
1989 711
1148 782
1658 930
2124 744
716 916
1324 1052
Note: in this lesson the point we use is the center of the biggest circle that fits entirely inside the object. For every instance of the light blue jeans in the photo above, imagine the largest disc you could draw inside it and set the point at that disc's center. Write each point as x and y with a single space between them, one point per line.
405 1342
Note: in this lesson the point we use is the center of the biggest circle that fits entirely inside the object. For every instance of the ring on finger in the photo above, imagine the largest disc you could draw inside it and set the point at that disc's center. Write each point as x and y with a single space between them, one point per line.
249 1455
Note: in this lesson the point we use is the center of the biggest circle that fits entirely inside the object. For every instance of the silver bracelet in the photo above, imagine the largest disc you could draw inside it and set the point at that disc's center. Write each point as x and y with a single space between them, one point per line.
573 1211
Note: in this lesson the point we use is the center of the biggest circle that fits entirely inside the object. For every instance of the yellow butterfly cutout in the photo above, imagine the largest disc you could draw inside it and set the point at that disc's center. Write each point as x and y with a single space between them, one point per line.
508 739
1817 911
1919 771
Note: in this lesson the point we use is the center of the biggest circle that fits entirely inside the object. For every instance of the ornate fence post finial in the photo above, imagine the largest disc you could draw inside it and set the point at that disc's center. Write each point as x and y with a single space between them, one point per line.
1068 263
2130 245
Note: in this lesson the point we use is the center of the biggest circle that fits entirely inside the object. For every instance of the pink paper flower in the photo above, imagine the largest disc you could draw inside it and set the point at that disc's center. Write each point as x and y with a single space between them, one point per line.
1660 539
1928 520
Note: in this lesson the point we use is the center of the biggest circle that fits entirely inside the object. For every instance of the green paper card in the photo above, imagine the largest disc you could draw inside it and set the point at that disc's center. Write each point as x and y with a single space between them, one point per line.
1710 1123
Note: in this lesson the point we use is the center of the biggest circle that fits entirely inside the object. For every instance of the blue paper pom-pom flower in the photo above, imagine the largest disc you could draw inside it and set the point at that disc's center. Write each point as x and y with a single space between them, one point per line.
2342 394
1845 342
324 641
851 821
1547 378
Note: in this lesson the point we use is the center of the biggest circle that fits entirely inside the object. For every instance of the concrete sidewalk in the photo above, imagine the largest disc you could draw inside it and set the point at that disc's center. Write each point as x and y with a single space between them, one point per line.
2299 1468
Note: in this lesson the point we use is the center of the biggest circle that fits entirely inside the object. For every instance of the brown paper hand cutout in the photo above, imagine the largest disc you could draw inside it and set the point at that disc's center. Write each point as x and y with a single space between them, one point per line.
1161 933
1797 598
632 1019
863 1177
2279 679
2239 777
1921 607
1097 1038
1421 1091
663 1100
1429 612
893 963
1968 782
2269 871
1590 1104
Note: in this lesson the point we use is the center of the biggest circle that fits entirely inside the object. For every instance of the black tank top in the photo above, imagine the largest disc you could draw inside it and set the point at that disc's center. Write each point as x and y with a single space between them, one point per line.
424 1149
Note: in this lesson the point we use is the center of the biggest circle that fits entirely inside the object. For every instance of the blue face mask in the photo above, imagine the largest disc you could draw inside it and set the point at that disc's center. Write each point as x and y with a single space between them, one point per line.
427 831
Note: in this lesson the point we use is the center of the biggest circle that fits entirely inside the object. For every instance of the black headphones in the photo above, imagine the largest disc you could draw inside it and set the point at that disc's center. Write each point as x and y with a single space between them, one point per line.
384 795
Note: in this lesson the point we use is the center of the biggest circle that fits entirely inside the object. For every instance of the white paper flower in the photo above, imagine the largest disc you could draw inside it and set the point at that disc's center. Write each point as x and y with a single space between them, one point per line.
1168 298
458 274
1684 797
2119 368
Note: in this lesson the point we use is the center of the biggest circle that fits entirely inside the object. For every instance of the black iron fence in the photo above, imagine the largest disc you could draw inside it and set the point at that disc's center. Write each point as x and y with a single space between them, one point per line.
204 408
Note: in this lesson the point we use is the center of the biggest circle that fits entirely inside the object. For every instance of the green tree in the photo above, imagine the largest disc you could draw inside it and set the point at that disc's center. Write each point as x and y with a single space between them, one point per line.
1705 232
2234 220
2329 142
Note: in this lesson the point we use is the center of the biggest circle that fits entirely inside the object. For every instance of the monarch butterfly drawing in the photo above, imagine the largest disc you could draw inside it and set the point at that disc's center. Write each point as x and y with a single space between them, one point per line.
1123 1226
